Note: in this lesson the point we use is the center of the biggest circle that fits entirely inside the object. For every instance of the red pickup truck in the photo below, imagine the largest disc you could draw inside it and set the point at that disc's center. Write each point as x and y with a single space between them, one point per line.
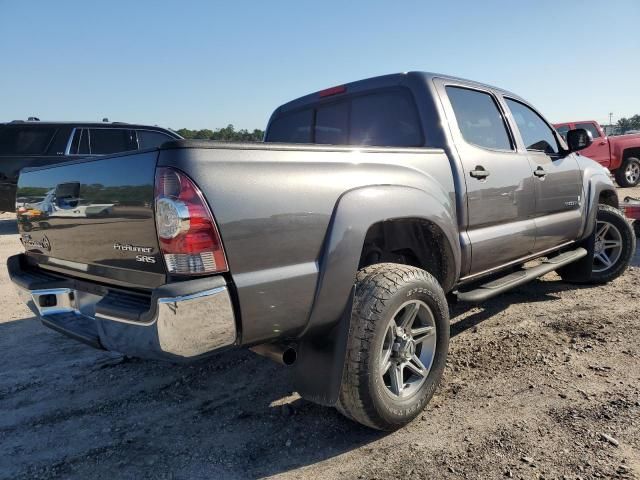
620 154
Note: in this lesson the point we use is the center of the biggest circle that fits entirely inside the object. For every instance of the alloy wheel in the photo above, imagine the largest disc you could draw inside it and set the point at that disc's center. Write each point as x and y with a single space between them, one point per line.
632 173
608 246
408 349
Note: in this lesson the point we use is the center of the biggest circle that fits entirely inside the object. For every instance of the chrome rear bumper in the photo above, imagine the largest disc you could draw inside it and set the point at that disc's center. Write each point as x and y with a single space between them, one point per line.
182 326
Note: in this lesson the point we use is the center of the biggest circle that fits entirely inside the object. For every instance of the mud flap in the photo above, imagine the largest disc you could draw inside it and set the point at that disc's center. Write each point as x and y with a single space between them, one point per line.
319 368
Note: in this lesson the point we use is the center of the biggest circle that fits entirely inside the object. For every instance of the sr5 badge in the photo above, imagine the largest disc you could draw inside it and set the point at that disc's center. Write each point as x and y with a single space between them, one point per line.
145 259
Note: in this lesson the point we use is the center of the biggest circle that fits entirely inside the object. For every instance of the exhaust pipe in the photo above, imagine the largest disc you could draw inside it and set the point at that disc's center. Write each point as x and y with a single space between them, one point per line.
283 354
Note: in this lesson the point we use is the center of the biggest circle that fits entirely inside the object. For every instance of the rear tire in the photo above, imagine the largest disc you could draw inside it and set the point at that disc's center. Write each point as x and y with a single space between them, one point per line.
615 245
628 175
397 346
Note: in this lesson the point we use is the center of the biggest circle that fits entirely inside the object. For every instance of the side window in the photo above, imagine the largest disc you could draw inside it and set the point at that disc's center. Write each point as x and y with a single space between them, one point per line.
80 142
25 140
83 148
332 124
294 128
589 127
385 119
103 141
479 118
536 134
151 139
59 143
562 130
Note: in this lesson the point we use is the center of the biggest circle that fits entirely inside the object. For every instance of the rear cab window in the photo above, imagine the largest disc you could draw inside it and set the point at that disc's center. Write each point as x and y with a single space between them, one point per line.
292 127
382 118
332 124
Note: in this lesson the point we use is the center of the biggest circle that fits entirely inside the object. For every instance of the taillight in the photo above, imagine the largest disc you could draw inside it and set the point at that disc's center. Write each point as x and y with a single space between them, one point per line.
632 211
188 235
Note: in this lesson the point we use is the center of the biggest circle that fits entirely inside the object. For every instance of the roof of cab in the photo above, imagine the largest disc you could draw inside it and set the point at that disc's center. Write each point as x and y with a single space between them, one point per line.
394 79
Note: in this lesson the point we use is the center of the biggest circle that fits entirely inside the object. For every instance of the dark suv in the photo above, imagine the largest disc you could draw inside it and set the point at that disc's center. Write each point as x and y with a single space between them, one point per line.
33 143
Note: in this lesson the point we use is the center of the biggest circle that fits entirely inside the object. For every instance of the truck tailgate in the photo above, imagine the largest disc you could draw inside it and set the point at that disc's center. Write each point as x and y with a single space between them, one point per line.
94 219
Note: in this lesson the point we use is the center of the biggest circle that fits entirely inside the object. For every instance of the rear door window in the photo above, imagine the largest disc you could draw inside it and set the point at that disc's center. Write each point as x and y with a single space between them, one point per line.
479 118
151 139
536 133
589 127
292 128
103 141
25 140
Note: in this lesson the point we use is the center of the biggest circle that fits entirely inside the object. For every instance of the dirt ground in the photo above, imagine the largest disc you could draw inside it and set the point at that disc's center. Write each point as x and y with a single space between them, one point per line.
543 382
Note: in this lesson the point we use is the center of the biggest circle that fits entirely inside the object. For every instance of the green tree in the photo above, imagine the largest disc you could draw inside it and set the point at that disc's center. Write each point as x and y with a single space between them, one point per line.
225 134
625 124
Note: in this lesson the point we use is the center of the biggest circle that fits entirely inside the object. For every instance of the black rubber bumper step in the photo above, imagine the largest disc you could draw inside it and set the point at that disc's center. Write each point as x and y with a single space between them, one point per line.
500 285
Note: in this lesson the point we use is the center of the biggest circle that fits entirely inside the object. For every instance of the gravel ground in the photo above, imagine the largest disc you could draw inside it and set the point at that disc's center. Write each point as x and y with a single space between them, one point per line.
542 382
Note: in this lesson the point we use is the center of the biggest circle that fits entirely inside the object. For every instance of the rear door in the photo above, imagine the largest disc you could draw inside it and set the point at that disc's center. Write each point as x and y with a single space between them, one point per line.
558 184
500 185
599 149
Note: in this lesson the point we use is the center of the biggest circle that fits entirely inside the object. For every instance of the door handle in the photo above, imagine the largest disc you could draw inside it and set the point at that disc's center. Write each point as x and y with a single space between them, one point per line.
539 172
603 143
479 172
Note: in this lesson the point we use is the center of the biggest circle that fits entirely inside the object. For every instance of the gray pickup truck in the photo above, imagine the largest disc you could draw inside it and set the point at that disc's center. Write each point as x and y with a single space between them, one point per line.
333 247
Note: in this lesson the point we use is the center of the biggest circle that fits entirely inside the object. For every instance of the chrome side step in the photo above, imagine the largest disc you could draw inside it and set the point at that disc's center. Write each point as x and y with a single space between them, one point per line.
500 285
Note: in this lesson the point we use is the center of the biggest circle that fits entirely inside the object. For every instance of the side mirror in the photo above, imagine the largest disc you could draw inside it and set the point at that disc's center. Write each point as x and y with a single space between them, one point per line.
578 139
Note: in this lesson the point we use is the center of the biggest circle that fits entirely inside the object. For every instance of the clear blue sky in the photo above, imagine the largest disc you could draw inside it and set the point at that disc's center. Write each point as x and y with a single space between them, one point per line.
204 64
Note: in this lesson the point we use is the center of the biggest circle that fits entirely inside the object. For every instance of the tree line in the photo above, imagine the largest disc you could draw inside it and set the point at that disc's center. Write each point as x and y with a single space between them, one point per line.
226 134
631 123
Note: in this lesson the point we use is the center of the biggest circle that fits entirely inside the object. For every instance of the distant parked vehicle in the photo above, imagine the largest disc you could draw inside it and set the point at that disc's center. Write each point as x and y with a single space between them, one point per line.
620 154
33 143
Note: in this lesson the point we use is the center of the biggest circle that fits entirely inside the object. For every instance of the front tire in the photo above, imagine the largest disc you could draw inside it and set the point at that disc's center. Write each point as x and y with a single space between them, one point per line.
397 347
614 247
628 175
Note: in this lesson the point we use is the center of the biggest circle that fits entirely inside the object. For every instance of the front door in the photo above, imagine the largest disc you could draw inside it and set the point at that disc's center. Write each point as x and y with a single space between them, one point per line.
499 182
558 184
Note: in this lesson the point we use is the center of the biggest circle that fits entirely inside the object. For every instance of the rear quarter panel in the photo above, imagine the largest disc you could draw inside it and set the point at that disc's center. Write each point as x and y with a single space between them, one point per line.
274 208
